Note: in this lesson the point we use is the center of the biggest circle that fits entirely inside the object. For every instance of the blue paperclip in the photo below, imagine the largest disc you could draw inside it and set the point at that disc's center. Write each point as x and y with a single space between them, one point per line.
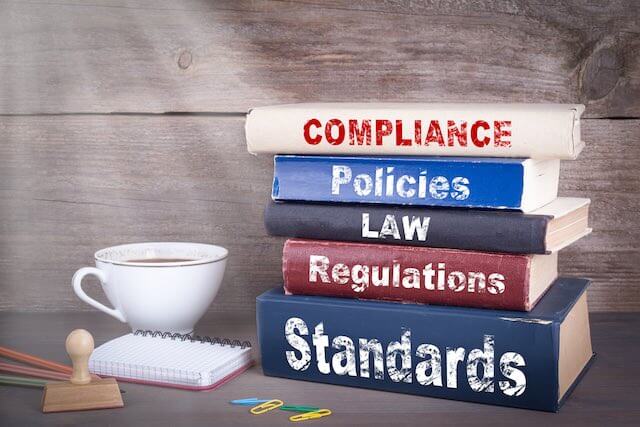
249 401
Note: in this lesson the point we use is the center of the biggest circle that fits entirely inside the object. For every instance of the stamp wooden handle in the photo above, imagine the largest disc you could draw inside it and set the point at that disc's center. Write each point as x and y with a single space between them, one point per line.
80 345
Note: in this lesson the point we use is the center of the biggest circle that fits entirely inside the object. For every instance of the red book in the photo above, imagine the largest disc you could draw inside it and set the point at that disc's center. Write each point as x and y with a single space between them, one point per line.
416 274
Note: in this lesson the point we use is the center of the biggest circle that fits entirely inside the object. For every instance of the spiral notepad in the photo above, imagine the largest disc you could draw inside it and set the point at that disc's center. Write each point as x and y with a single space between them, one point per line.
172 360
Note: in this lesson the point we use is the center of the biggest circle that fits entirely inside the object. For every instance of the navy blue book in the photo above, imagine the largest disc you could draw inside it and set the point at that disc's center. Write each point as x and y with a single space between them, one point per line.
527 360
519 184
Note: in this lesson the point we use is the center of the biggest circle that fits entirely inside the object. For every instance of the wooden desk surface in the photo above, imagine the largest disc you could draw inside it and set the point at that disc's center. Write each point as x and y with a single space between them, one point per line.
607 395
89 159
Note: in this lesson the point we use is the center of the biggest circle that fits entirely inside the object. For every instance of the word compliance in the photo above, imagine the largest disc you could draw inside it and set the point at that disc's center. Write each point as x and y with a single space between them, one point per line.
479 133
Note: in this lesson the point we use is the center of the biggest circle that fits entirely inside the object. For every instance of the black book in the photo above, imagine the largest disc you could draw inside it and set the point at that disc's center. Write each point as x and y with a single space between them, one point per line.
542 231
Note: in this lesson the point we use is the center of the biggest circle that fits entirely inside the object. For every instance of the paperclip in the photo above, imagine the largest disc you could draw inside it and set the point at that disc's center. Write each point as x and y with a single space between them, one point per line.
310 415
249 401
266 406
299 408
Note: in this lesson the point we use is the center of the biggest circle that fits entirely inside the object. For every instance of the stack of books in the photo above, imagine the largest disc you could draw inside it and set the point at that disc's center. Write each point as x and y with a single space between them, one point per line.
423 249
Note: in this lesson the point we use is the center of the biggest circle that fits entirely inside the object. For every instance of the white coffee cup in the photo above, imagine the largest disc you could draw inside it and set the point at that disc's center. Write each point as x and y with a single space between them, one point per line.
169 295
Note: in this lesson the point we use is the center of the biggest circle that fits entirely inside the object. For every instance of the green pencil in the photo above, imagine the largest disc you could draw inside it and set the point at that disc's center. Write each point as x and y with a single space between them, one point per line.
21 381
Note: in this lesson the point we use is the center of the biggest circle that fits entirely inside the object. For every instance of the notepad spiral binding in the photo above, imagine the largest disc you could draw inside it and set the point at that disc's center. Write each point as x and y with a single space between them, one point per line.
194 338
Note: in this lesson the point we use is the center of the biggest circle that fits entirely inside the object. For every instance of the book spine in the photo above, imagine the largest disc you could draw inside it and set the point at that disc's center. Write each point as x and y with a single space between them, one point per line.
470 229
406 274
526 131
403 181
434 353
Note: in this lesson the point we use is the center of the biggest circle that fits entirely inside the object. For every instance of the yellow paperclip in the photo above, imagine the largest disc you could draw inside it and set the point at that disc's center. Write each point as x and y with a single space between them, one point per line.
266 407
310 415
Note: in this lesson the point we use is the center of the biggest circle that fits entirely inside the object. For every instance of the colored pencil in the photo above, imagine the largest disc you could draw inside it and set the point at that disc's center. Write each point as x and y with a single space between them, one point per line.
35 361
33 372
27 382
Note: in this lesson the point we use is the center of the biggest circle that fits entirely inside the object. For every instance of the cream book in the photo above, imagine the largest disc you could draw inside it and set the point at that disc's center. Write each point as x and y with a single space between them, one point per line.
543 131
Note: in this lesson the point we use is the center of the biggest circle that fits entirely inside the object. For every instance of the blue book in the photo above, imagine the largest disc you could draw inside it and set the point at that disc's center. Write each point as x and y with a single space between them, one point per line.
528 360
519 184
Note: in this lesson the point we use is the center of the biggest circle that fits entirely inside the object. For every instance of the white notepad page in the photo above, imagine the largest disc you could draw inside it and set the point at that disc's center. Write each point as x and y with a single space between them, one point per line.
167 360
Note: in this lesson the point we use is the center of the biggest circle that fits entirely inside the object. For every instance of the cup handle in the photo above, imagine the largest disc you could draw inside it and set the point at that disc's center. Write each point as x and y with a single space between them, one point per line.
102 276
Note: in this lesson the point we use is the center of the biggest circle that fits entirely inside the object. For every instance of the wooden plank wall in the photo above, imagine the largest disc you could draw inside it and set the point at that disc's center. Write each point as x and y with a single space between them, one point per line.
122 121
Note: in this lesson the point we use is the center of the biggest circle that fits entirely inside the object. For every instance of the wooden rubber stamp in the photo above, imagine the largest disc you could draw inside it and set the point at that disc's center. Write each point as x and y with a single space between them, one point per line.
82 392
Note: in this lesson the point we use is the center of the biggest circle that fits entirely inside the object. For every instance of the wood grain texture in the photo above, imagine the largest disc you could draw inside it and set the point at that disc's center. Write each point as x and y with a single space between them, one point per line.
606 172
607 395
68 56
98 394
70 185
